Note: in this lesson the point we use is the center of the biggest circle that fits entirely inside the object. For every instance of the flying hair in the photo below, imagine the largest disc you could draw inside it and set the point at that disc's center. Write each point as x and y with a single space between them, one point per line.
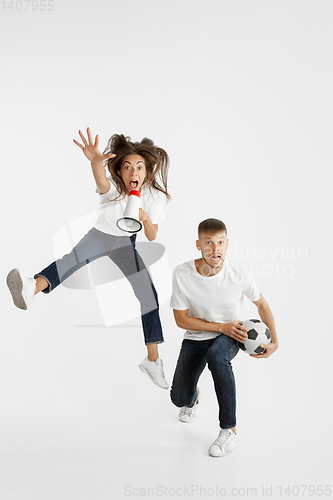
156 161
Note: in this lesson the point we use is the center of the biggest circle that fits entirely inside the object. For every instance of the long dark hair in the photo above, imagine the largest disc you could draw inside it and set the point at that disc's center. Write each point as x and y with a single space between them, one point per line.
156 160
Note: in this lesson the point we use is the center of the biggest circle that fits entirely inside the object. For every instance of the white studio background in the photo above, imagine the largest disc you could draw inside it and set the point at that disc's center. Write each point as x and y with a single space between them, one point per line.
240 95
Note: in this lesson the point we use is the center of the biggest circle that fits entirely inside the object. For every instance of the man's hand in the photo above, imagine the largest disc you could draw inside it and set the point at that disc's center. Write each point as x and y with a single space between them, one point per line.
269 349
266 316
235 330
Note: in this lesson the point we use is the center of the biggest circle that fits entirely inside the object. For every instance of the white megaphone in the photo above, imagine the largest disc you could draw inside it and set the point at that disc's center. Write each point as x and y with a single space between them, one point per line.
129 222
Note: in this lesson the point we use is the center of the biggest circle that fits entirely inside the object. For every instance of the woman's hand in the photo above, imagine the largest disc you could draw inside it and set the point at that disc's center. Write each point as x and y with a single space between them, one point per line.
90 150
149 228
143 216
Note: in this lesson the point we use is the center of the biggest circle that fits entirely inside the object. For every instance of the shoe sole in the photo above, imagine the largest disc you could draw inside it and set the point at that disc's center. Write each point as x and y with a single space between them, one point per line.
186 421
225 455
15 285
142 368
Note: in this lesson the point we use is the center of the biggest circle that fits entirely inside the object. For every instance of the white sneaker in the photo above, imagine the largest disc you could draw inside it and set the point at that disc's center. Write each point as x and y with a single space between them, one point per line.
22 288
225 443
154 370
187 414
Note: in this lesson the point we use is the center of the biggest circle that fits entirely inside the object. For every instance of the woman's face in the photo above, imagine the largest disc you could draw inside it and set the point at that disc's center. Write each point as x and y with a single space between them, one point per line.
133 171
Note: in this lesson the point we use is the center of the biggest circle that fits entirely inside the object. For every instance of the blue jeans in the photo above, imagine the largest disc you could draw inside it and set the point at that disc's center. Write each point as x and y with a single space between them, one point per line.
193 357
122 251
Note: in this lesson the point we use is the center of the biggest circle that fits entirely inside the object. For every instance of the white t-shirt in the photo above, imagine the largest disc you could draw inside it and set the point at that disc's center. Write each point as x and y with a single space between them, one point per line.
110 211
217 298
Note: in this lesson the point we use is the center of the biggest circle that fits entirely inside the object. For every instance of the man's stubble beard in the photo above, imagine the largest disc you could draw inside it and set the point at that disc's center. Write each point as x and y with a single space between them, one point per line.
214 268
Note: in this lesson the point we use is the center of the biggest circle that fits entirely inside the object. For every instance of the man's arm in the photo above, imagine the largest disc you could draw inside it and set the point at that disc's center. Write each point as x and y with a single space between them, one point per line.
234 329
267 317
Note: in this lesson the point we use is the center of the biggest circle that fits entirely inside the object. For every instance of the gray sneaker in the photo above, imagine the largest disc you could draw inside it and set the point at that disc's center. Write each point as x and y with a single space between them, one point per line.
22 288
154 370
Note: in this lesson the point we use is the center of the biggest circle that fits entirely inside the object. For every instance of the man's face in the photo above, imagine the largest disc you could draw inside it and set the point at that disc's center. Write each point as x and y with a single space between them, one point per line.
213 249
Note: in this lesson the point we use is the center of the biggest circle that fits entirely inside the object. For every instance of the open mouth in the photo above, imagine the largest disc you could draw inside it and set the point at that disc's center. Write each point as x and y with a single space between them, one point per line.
216 258
133 184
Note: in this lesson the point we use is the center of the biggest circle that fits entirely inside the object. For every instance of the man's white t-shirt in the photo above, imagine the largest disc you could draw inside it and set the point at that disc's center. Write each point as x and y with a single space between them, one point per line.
110 211
217 298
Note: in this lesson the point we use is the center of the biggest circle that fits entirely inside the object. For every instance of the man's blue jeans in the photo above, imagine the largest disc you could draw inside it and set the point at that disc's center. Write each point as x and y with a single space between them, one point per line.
122 251
193 357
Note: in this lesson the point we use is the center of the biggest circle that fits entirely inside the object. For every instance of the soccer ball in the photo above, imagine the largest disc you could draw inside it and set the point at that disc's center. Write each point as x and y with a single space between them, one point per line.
258 334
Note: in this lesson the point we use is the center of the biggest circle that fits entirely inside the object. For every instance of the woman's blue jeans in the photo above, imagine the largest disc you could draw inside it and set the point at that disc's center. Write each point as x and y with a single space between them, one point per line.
122 251
193 357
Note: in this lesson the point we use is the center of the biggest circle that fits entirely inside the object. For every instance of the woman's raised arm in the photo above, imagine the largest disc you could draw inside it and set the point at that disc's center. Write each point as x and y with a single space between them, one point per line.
96 158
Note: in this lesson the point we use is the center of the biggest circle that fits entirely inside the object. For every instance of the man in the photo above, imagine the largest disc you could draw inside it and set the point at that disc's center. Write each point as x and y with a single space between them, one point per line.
207 300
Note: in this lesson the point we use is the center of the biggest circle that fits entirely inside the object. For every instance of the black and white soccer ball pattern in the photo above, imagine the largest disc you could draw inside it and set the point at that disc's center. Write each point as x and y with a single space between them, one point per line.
258 334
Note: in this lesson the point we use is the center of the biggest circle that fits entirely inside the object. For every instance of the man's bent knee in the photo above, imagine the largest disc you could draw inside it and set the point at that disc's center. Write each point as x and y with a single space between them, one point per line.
179 399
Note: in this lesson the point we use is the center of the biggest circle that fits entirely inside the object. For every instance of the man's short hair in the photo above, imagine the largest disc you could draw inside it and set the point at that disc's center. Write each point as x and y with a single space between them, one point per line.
211 226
